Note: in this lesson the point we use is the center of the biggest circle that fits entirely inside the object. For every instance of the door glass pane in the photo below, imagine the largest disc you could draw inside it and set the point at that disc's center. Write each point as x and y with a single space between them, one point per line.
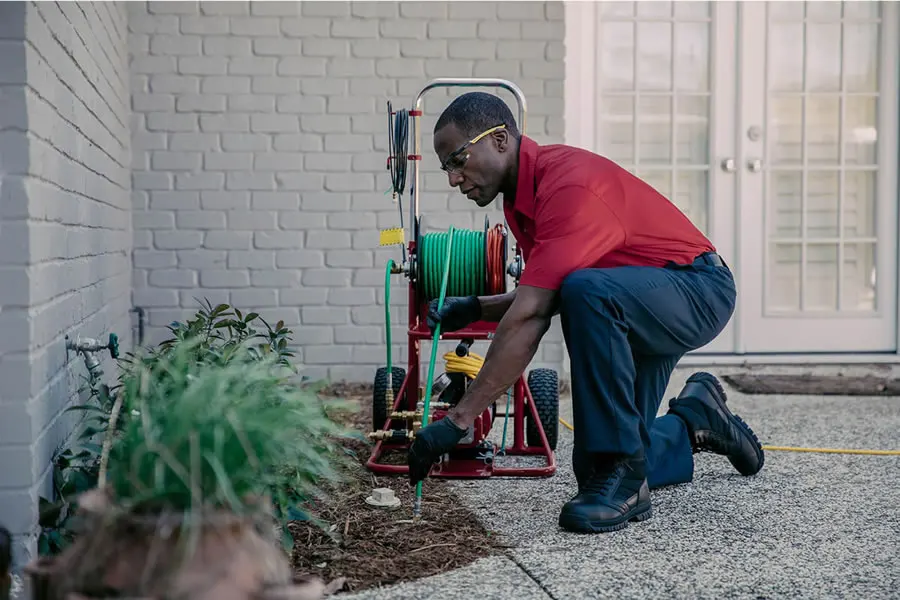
821 163
822 206
617 9
858 277
692 130
823 66
786 194
654 111
617 56
860 133
862 10
823 118
690 190
654 56
786 124
655 133
859 204
617 123
786 11
783 289
861 56
689 9
820 290
827 10
654 9
691 56
786 42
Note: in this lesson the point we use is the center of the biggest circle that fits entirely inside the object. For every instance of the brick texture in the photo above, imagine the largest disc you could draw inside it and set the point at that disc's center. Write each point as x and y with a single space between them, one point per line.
65 227
260 139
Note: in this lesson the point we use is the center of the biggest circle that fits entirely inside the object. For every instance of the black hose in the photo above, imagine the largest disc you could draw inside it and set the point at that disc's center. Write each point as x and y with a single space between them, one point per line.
398 137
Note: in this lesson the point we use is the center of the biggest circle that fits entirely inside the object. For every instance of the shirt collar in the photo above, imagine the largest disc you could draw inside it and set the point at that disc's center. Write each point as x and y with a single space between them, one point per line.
525 184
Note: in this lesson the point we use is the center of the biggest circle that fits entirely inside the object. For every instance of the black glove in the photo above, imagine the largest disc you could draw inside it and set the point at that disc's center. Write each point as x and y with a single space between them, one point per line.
455 314
432 441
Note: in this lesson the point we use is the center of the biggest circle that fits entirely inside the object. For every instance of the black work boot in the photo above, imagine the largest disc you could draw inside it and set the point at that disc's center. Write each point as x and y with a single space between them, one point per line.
713 428
608 499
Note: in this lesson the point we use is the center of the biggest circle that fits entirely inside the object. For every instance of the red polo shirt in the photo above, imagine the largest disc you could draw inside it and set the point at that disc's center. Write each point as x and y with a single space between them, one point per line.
574 209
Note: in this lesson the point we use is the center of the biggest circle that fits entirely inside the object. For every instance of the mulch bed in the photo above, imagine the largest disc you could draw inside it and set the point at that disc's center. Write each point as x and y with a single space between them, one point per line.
372 547
819 385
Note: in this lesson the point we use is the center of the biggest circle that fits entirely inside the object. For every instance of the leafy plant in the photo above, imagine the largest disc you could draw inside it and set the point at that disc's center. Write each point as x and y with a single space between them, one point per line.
222 331
75 470
219 434
219 385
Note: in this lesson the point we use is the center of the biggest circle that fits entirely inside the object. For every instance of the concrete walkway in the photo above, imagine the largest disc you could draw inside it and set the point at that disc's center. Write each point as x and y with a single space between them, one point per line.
807 526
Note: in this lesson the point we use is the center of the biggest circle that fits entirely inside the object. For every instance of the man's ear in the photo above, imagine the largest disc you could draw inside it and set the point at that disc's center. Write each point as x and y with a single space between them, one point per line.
501 139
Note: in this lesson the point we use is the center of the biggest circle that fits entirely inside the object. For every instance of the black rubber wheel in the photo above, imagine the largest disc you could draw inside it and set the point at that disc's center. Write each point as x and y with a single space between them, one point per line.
544 386
380 405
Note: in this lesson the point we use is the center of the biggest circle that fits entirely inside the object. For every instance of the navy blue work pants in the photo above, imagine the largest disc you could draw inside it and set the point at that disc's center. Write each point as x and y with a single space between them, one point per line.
625 329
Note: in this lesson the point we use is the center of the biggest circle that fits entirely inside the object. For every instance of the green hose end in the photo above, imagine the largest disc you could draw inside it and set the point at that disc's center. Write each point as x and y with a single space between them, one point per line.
389 268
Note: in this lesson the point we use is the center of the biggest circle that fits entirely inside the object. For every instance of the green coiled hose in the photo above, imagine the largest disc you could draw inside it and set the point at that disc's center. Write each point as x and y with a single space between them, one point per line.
467 262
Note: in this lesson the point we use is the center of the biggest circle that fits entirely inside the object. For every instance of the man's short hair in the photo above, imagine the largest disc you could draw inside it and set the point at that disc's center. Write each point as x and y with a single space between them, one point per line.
476 112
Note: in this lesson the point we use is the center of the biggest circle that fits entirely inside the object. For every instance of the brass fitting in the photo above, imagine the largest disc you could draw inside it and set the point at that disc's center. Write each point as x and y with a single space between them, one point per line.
395 434
407 414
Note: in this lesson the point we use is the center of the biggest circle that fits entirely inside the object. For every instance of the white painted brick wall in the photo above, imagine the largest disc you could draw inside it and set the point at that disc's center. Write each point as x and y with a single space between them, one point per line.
260 140
65 227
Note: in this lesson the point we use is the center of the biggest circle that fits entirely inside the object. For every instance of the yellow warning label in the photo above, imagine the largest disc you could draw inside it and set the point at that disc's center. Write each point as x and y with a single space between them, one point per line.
391 237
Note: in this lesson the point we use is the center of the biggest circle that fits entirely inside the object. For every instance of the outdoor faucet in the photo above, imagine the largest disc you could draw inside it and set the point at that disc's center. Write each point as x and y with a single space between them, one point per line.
88 346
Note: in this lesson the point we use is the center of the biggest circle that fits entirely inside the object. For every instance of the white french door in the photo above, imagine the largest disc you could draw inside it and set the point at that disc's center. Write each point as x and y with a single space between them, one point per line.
818 133
773 126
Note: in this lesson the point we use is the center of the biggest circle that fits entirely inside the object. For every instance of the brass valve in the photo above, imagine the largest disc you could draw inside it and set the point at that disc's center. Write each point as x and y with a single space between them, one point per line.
407 414
398 435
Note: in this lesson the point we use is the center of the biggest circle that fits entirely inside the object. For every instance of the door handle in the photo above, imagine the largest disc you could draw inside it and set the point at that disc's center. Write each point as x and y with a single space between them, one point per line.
728 165
754 165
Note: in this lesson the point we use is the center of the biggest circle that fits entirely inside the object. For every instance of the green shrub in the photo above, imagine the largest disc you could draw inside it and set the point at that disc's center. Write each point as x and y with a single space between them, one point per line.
210 415
220 431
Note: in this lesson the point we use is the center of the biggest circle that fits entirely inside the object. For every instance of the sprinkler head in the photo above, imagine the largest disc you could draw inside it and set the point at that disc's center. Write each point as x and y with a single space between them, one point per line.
383 498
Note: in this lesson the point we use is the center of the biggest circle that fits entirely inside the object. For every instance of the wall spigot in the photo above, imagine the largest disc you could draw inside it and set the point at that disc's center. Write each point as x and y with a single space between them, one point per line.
85 345
88 346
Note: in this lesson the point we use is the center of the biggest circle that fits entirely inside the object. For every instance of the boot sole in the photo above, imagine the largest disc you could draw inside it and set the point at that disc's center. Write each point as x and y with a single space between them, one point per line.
718 393
581 525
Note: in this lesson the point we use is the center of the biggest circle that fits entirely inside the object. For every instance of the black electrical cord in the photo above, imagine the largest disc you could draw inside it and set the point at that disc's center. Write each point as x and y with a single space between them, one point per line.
398 136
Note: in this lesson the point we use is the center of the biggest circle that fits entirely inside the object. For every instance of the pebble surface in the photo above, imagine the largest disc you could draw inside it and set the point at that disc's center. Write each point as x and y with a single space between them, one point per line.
807 526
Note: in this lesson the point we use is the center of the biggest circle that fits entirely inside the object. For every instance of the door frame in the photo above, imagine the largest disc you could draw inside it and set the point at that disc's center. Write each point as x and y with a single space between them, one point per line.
581 89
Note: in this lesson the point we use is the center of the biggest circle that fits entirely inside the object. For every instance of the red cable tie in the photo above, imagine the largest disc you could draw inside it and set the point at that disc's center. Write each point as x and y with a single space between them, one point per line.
415 113
414 157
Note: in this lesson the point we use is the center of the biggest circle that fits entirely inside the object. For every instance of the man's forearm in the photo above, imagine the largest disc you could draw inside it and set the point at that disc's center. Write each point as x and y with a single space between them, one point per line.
494 307
514 345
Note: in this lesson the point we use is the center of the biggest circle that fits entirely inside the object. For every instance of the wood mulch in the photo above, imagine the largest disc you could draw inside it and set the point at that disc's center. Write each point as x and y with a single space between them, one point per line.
371 547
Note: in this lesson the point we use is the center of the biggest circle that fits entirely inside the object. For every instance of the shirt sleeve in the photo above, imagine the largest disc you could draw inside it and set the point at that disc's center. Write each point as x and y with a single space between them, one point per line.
575 228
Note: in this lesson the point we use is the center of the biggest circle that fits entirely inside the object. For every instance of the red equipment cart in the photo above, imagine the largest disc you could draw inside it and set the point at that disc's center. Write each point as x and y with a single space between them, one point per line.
398 403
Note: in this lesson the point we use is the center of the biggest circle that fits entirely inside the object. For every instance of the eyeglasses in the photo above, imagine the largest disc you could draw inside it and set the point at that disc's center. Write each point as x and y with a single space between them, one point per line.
458 158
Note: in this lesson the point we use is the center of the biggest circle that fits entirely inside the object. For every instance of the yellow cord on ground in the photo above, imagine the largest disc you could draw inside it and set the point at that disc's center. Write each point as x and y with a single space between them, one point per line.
800 449
833 450
471 364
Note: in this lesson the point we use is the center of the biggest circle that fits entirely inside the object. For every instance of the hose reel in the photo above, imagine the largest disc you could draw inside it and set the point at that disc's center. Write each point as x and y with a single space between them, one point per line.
477 261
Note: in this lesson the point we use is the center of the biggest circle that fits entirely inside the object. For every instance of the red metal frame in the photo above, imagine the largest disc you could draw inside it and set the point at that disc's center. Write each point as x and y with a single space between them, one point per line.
455 466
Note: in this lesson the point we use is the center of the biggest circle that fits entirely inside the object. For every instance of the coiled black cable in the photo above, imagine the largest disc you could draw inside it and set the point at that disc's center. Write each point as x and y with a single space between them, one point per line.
398 139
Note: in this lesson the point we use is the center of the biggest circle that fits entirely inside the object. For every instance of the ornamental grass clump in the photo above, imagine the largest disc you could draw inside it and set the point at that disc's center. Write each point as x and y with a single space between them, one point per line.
204 433
210 443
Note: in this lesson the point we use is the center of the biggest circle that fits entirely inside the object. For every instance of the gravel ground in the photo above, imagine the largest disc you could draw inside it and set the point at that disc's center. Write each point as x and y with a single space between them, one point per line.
808 526
493 578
